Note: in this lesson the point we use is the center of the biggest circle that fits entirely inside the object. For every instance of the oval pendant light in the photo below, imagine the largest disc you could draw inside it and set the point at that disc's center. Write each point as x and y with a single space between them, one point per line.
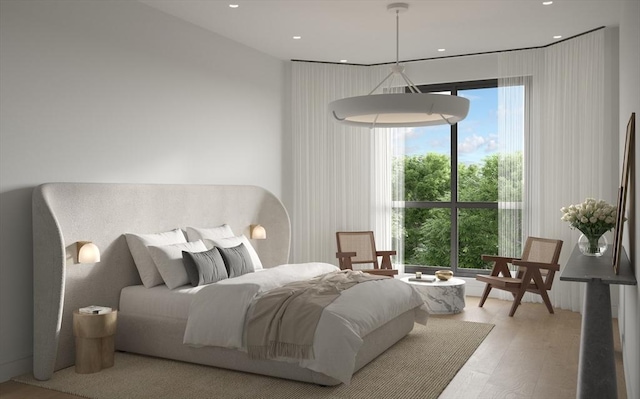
399 109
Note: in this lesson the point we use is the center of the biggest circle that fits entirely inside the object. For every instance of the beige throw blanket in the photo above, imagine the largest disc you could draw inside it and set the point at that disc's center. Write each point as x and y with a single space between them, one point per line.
283 321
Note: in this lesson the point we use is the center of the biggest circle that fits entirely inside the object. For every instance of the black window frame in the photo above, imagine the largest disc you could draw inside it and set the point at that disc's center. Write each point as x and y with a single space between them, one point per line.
453 205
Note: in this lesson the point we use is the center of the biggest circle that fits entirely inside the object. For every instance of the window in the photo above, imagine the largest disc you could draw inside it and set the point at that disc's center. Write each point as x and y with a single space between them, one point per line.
446 202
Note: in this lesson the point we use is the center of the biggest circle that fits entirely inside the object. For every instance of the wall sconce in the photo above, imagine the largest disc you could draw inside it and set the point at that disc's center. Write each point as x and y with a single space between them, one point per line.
258 232
88 252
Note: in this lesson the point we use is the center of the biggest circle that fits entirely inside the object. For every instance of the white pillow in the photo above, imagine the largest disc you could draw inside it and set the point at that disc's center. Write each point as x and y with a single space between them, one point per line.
168 259
211 233
230 242
138 244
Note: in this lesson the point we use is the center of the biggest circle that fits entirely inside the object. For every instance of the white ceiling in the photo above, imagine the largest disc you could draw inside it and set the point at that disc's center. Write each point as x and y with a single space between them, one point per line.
363 31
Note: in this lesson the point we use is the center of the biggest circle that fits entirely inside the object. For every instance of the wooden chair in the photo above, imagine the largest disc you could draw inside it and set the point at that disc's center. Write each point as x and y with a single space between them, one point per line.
535 273
359 247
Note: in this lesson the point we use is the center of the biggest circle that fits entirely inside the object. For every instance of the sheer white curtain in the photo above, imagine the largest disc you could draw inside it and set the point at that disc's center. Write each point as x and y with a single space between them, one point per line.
568 152
517 110
512 125
388 148
335 166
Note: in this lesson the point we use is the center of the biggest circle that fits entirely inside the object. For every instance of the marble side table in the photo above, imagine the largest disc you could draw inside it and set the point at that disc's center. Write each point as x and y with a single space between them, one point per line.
441 297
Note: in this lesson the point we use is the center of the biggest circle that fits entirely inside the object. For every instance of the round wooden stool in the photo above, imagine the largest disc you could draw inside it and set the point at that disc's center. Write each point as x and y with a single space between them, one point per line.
94 340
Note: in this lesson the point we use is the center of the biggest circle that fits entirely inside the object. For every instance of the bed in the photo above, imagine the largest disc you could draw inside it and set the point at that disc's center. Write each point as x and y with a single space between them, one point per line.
153 320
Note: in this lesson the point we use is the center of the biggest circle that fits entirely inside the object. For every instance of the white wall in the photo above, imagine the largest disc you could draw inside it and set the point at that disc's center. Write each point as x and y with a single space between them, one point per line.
629 320
115 91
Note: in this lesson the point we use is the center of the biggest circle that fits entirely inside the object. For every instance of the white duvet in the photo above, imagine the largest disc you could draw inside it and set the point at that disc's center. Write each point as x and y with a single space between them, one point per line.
218 311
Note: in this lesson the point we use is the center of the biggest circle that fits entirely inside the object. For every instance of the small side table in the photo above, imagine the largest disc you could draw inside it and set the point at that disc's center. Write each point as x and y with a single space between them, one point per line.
94 340
441 297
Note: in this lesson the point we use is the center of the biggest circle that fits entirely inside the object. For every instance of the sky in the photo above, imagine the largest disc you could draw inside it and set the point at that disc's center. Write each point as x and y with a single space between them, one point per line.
477 133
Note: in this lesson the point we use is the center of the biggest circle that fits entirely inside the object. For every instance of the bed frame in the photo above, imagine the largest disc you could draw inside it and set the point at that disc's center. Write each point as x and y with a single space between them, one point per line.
67 213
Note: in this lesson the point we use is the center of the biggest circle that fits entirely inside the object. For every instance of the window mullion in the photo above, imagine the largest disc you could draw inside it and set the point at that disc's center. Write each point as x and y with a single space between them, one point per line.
454 193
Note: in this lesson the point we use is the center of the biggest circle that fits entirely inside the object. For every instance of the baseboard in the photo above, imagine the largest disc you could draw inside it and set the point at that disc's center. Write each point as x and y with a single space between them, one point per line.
14 368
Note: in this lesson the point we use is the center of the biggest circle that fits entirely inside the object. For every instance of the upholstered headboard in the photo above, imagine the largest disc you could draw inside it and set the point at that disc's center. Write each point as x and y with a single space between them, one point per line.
65 213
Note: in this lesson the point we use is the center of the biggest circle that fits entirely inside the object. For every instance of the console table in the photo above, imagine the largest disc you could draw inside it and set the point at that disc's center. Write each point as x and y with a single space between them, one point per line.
597 368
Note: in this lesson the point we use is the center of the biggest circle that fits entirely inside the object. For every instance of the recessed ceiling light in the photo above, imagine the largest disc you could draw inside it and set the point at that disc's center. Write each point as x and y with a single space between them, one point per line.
297 37
343 60
442 50
233 6
557 37
547 3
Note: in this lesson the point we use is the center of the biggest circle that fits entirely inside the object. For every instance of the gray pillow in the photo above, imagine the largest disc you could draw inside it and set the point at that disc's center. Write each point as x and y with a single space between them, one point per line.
234 242
204 267
237 260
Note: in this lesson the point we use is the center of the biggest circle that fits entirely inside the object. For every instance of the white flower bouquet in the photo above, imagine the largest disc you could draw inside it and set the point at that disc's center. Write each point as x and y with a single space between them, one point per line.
593 218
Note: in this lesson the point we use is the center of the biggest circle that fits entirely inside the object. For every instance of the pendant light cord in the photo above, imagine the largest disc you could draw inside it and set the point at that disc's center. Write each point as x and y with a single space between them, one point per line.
397 37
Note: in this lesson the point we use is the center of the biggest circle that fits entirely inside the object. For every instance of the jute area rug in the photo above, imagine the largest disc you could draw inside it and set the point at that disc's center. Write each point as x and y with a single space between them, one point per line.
419 366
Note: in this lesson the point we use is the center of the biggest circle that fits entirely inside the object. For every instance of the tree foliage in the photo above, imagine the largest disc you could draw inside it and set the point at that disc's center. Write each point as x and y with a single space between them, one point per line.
427 231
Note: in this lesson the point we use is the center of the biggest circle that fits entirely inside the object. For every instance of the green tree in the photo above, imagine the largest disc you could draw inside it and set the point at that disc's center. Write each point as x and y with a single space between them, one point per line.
427 231
426 177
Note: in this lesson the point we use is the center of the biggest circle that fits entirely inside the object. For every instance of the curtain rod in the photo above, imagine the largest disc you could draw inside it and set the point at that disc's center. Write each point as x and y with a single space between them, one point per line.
456 56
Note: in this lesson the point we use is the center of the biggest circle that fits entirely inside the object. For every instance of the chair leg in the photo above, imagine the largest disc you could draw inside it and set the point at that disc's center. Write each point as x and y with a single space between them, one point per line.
485 294
516 303
520 294
537 278
386 262
546 300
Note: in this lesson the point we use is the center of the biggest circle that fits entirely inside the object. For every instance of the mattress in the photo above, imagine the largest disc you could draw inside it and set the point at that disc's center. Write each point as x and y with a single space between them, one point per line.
158 301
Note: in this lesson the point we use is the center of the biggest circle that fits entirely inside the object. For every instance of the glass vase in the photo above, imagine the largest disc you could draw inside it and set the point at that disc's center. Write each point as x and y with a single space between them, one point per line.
592 245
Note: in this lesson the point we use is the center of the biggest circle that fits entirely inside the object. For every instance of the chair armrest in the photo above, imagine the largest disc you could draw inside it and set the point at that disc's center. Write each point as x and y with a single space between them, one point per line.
495 258
344 259
341 255
537 265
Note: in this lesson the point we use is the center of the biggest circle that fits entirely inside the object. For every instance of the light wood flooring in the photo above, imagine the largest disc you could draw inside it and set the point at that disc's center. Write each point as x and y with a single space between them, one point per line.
531 355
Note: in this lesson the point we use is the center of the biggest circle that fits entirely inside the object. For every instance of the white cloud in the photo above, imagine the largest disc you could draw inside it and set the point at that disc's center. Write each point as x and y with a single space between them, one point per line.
471 144
492 143
475 143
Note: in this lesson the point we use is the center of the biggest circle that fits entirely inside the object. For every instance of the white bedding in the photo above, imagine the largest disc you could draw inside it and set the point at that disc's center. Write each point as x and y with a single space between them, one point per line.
217 314
158 301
